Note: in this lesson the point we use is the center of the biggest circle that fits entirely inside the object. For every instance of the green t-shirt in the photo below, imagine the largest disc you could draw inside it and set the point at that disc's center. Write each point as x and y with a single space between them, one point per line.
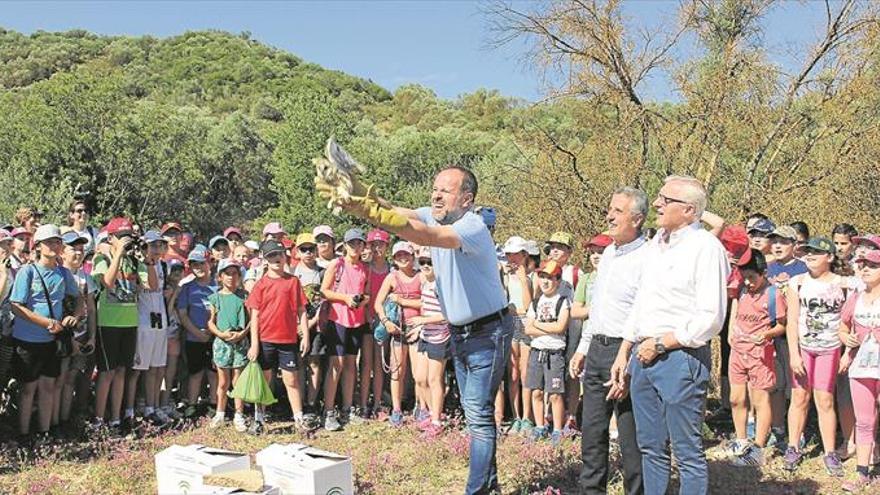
583 293
230 310
117 306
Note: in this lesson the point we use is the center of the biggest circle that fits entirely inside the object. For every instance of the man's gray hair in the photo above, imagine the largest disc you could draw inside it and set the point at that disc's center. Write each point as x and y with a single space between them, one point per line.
638 197
694 192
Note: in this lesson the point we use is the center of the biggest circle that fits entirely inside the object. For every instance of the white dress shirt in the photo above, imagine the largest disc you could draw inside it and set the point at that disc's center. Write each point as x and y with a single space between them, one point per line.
618 278
683 288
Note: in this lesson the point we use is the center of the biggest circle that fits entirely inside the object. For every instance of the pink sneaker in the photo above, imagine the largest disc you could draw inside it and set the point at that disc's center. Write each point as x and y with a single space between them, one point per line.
424 424
432 432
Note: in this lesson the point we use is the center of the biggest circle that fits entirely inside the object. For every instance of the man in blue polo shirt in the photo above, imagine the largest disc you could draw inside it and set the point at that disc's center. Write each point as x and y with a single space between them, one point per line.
470 294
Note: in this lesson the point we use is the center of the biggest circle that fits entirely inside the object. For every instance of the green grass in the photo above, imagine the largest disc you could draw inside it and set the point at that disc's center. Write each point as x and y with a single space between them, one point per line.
386 461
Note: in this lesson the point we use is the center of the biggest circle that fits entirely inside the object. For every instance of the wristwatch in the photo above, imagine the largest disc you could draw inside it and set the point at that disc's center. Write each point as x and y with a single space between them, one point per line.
659 347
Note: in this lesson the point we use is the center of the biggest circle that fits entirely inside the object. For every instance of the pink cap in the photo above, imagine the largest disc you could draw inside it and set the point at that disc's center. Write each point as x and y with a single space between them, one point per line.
231 230
378 235
403 247
871 239
272 228
870 257
5 235
19 231
323 229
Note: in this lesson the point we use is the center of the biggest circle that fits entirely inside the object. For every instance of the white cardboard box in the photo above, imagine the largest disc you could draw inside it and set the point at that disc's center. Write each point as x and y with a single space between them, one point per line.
181 469
302 470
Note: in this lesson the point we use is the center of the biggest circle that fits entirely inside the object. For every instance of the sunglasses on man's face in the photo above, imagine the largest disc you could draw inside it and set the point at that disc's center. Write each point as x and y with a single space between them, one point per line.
307 249
425 262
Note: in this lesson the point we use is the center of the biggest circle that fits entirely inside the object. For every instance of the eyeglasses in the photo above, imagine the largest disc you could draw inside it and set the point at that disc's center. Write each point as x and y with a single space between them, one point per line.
307 249
425 262
867 264
666 200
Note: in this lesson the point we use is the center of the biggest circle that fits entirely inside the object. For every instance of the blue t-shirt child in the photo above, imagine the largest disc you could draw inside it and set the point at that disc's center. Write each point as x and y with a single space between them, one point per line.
193 298
779 274
28 291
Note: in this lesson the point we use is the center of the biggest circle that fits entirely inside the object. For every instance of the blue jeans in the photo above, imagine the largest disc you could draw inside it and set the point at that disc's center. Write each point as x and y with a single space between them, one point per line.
668 398
480 359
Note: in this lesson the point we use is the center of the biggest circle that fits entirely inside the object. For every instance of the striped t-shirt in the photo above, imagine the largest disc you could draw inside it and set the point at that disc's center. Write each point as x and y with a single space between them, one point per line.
433 333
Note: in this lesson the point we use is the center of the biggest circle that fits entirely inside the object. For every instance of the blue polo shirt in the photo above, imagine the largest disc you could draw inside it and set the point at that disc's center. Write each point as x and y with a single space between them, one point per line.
468 282
28 291
193 298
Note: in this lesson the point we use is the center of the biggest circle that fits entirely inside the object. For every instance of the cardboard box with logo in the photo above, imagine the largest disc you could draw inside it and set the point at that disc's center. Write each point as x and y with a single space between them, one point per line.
298 469
181 469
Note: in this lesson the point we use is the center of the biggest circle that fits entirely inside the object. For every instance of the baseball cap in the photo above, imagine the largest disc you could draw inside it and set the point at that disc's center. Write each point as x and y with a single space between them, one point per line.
873 240
736 243
287 243
550 267
72 238
488 214
169 226
532 248
819 244
252 245
217 238
273 228
785 232
402 246
378 235
231 230
199 254
600 240
5 235
119 225
424 252
763 226
226 263
46 232
515 244
559 238
152 236
20 231
304 239
323 229
870 257
354 235
270 247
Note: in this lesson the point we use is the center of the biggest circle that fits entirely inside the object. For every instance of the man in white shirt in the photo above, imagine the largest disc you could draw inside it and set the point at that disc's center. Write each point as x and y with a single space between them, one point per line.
678 310
614 291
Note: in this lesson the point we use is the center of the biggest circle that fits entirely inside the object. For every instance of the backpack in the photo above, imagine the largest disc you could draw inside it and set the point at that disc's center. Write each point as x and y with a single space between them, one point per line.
559 302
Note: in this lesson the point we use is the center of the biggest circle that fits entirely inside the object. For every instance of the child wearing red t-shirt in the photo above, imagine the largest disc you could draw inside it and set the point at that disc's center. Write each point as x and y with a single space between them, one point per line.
279 323
755 321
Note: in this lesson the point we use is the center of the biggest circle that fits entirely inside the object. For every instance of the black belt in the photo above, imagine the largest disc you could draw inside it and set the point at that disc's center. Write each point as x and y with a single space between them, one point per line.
606 340
480 322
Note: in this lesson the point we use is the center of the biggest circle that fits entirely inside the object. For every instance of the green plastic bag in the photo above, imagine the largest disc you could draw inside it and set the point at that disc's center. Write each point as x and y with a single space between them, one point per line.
252 386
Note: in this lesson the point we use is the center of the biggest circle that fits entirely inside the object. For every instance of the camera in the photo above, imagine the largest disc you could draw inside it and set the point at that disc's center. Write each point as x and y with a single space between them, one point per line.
134 247
357 299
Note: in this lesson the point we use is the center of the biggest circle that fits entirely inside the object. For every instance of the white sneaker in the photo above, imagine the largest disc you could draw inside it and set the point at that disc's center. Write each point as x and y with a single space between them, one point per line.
239 423
217 421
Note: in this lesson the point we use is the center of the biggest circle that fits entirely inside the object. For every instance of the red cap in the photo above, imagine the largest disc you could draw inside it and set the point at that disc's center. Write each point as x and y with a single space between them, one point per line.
870 257
551 267
736 242
171 225
287 243
600 240
119 224
378 235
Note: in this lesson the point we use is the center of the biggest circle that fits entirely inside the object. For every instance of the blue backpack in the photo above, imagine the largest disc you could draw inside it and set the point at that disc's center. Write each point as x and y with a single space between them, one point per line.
392 312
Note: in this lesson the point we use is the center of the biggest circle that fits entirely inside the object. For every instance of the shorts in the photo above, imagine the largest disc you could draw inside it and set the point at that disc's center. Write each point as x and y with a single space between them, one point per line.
79 363
33 360
151 350
228 355
519 331
760 373
548 375
573 339
783 366
274 356
115 347
342 340
821 371
435 352
317 340
198 356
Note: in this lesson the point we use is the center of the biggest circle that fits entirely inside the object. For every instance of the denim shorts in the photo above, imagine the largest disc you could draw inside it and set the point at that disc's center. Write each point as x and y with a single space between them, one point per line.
435 352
